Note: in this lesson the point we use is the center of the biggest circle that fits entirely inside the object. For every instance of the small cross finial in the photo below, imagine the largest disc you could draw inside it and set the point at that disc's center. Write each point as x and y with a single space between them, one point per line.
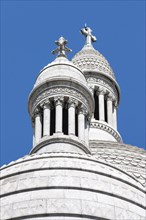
87 32
61 49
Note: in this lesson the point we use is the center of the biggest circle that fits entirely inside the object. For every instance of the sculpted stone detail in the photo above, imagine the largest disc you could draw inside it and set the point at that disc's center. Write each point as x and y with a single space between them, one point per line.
109 97
101 90
45 104
72 102
58 100
37 112
56 91
82 110
87 32
62 48
107 129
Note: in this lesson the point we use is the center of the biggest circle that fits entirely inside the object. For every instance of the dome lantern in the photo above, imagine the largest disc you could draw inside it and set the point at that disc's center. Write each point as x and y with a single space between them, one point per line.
105 90
60 106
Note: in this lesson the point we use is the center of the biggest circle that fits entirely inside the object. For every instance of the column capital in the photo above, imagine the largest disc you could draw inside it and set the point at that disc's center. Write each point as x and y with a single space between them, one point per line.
59 100
110 97
37 112
82 110
91 88
45 104
72 102
101 91
115 103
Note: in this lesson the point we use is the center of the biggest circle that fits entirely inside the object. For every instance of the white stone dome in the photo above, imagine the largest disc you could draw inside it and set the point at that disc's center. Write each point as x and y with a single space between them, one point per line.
68 186
91 60
60 68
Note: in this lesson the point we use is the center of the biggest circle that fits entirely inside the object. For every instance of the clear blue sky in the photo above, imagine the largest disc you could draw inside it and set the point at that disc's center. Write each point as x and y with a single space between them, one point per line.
28 31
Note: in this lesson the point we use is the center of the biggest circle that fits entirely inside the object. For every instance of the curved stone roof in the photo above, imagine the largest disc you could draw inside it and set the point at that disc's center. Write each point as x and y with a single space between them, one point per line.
129 158
60 68
51 183
89 59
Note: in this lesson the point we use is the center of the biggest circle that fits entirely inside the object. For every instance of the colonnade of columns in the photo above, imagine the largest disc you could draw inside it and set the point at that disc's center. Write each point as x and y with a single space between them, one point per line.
107 107
42 118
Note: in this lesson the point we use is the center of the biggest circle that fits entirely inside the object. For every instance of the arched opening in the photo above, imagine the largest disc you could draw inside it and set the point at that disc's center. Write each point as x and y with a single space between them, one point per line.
105 110
65 119
52 119
76 122
96 111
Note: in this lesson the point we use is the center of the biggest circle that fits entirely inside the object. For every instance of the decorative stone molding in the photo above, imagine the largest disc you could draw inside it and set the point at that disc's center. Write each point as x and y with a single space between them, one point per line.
56 91
106 128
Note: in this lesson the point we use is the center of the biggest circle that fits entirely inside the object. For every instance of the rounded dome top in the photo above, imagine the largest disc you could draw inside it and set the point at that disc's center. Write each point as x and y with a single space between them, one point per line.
91 60
60 68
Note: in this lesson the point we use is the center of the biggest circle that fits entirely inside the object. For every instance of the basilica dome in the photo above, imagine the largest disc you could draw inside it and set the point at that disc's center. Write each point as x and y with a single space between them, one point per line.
69 186
91 60
60 68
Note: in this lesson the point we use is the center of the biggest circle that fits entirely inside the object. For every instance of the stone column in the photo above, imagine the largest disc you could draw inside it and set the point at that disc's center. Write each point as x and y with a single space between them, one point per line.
81 123
59 114
46 118
115 115
87 130
110 109
101 92
38 126
72 103
92 91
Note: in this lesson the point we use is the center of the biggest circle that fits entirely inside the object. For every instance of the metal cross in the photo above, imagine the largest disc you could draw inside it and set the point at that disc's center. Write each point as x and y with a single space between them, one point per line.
87 32
61 49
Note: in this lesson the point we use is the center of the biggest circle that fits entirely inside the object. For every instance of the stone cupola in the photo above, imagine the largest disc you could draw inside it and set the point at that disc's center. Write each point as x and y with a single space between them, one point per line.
104 88
61 106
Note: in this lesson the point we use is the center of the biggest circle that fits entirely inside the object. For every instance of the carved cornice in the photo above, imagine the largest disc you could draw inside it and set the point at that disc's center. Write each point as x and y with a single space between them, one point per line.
50 93
106 128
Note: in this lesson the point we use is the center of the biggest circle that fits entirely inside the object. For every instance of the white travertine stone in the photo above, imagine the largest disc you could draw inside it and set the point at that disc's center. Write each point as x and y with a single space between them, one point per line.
87 131
38 126
81 123
59 114
46 118
71 115
109 110
101 93
115 116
